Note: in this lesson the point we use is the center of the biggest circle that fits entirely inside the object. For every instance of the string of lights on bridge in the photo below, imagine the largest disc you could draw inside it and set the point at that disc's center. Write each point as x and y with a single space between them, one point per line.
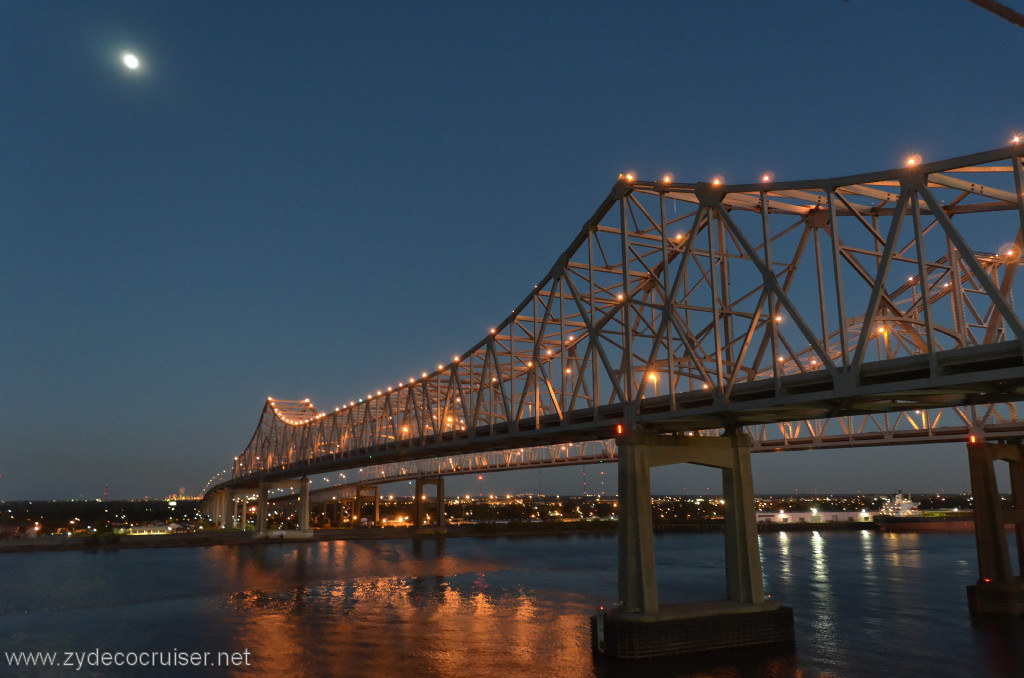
308 412
303 412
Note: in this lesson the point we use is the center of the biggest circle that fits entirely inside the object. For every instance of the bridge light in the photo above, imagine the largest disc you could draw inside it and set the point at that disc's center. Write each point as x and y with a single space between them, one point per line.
704 386
440 366
619 297
652 377
568 370
493 330
717 181
618 429
455 359
424 374
1016 139
667 178
778 318
767 176
974 439
913 160
529 364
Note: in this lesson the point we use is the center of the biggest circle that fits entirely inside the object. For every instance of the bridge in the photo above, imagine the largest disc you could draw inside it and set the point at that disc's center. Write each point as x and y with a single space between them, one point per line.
701 322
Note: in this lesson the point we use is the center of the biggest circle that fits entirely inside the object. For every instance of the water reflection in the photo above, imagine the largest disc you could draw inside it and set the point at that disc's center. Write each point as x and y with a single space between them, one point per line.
388 607
784 564
866 604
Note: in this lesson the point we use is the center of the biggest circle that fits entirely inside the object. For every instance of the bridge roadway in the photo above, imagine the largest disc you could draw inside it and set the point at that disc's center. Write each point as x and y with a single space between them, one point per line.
992 423
686 309
977 376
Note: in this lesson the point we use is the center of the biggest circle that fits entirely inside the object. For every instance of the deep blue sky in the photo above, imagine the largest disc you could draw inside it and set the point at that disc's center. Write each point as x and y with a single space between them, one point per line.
316 200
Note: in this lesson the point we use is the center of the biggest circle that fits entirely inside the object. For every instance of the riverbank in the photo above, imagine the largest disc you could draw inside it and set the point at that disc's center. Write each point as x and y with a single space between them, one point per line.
235 537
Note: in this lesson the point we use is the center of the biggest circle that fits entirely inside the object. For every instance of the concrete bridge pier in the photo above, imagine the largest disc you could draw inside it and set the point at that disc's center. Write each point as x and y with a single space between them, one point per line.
261 507
239 506
998 590
218 510
440 525
639 627
367 493
304 504
227 507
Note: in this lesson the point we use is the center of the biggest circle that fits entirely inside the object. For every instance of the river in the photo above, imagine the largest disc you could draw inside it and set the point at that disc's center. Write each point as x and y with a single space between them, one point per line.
866 604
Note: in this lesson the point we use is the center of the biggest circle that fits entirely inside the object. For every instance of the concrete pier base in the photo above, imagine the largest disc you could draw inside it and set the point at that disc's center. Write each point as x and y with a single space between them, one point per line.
420 506
691 628
986 598
998 591
639 627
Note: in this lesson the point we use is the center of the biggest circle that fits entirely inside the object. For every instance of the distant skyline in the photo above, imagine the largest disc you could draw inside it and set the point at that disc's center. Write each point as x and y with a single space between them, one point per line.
315 200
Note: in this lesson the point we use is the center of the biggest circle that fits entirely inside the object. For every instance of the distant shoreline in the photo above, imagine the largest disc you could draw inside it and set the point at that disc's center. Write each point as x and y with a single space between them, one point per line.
218 538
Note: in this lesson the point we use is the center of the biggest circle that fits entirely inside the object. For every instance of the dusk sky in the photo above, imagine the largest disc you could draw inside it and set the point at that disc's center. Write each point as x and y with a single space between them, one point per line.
318 199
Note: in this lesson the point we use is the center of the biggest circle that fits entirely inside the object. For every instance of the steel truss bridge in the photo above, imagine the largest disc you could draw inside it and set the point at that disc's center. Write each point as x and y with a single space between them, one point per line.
861 310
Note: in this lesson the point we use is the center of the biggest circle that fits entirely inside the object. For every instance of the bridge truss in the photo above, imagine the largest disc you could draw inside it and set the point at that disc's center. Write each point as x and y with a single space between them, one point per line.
836 312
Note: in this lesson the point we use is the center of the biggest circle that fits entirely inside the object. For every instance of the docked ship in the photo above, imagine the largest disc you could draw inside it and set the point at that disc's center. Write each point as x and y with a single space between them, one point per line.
899 513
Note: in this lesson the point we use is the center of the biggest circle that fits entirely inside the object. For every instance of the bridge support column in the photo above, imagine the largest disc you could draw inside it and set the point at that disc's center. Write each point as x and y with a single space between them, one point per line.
238 512
261 508
997 590
442 518
222 506
304 504
638 588
420 503
366 493
744 581
639 627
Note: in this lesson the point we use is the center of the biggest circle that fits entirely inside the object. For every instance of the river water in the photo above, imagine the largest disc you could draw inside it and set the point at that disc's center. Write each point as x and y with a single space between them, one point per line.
866 604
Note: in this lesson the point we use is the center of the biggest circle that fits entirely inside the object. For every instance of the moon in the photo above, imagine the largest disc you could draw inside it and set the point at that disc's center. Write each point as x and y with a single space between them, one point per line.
130 61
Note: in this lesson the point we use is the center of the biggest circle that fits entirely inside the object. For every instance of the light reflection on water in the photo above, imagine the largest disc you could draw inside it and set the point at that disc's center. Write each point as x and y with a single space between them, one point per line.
866 604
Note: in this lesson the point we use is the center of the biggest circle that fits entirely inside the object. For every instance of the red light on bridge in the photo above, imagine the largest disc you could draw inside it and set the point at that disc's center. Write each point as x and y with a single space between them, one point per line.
974 439
618 429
